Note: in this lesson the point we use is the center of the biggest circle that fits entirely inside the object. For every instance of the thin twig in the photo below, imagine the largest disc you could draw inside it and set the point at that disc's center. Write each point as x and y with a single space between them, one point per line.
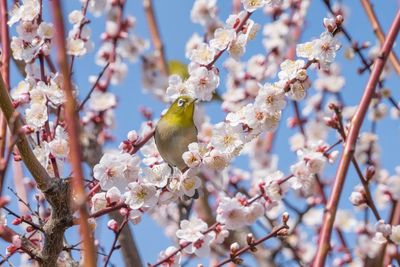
93 86
113 247
275 232
34 225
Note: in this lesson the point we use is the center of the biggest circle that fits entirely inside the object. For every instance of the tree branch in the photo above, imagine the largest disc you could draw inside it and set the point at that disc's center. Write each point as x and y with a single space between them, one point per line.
376 26
5 72
331 208
38 172
155 36
89 253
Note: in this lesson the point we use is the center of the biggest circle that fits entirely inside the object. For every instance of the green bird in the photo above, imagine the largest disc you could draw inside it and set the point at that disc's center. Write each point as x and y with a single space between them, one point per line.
175 131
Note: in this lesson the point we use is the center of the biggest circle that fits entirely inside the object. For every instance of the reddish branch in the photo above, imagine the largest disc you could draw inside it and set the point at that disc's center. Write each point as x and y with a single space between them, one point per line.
331 208
235 256
376 26
5 72
89 254
155 36
364 181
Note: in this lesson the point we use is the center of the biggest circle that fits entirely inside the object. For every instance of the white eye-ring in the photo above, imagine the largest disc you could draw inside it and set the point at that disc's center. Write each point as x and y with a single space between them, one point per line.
181 102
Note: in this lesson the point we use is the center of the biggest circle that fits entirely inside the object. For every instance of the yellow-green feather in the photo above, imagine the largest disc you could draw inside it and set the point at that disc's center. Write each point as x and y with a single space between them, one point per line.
175 131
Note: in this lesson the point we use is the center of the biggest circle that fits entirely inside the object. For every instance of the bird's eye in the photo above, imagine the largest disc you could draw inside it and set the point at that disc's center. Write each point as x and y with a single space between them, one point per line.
181 102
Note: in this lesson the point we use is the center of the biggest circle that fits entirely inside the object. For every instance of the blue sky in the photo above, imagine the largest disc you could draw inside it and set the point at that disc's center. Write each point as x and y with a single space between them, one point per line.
176 28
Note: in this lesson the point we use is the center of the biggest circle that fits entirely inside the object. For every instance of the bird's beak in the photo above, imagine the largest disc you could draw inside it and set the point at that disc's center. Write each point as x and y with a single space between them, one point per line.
194 100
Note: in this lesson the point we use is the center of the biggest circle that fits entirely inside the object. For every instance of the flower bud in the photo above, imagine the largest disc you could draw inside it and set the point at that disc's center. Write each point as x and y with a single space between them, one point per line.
250 238
370 172
357 198
123 211
301 75
133 136
17 221
339 20
285 217
112 225
234 248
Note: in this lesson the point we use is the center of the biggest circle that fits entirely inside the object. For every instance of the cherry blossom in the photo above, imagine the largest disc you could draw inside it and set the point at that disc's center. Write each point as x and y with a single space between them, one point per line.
191 231
141 195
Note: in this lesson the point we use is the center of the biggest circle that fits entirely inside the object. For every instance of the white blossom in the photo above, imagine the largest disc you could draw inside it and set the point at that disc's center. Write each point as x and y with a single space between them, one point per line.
176 87
226 138
116 169
99 202
192 230
252 5
231 213
204 11
101 101
75 17
325 48
157 175
28 11
271 97
141 195
271 185
189 183
76 47
202 82
203 54
216 160
395 235
222 38
201 247
113 195
36 115
174 261
46 30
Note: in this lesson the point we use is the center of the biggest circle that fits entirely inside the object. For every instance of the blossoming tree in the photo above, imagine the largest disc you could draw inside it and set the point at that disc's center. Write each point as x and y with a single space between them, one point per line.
216 211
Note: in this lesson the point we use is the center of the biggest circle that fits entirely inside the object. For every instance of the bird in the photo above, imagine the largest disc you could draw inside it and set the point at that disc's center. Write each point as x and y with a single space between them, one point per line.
175 131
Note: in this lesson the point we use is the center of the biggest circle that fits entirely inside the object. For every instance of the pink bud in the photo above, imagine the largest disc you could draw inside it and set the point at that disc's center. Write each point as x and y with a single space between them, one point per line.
123 211
113 225
17 157
133 136
16 221
339 19
27 217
